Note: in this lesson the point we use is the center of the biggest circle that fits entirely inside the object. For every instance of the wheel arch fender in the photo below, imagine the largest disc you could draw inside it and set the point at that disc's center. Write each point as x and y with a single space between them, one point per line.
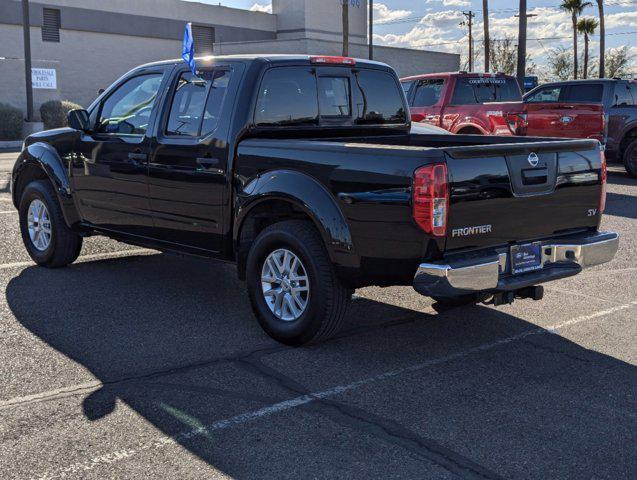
469 125
41 158
307 195
628 134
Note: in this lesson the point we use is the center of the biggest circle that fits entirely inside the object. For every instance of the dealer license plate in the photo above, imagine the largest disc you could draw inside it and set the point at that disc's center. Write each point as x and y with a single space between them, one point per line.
526 258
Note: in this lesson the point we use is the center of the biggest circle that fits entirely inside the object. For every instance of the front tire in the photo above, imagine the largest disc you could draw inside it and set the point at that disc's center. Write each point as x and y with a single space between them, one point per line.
630 158
47 238
293 288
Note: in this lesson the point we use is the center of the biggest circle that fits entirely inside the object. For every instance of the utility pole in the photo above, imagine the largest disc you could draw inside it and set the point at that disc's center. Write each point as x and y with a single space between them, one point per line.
487 44
345 28
469 22
27 58
371 29
521 69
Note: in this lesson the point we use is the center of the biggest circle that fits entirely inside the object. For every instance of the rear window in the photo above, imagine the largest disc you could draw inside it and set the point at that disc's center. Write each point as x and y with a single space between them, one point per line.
305 96
584 93
474 90
334 97
378 99
428 92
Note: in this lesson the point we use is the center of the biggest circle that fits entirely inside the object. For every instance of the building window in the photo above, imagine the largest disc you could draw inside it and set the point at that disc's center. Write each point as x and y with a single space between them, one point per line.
50 25
204 38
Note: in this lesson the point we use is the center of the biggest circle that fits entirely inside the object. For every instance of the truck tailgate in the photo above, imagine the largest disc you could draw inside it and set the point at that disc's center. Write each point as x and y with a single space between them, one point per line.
511 193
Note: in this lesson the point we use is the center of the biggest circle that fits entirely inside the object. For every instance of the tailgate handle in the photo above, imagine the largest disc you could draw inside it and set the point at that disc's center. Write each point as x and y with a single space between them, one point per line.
535 176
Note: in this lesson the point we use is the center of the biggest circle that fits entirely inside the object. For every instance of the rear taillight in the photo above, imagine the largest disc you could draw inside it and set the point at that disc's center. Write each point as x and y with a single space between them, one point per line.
430 199
604 175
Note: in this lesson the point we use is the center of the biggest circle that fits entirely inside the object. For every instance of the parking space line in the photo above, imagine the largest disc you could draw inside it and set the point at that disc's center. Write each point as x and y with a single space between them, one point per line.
86 258
163 441
8 211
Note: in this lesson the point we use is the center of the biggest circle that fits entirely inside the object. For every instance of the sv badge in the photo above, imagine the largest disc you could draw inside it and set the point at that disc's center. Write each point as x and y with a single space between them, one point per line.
592 212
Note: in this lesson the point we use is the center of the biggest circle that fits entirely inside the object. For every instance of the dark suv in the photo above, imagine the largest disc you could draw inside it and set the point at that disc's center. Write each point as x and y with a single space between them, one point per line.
619 98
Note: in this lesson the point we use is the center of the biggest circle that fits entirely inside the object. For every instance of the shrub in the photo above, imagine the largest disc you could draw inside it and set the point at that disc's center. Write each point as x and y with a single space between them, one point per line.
54 113
11 120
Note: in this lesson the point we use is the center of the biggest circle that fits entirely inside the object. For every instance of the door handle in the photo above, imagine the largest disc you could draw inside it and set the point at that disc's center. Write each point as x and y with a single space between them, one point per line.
137 157
210 164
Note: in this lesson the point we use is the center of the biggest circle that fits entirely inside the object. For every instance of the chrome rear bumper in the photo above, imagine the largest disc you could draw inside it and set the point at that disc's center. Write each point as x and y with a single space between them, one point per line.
561 258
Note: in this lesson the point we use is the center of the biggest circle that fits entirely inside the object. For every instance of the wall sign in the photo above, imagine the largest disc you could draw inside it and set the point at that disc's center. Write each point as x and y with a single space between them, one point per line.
44 78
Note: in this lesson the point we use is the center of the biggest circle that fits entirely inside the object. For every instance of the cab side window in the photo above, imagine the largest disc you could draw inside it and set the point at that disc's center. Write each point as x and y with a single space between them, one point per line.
127 110
545 95
288 96
197 102
623 95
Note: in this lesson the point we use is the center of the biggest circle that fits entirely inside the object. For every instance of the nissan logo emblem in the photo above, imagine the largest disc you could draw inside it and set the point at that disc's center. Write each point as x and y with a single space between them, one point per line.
533 159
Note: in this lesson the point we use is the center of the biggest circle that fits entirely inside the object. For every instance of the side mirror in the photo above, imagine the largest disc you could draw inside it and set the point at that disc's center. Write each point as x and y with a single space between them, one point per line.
79 120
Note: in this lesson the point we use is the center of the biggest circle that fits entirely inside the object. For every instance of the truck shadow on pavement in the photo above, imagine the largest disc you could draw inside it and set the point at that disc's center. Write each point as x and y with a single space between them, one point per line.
471 392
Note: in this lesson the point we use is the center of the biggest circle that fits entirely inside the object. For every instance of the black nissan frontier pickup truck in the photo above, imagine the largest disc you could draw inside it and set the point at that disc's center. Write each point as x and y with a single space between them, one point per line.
304 172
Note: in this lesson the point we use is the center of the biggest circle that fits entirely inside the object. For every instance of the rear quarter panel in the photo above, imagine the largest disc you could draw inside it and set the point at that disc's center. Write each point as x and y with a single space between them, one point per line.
371 184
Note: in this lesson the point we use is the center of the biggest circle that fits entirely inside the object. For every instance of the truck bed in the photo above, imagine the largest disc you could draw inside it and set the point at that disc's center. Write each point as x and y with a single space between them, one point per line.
496 197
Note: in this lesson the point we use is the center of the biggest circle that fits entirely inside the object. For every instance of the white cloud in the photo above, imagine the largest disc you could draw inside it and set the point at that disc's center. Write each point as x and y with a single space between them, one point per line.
622 19
382 13
451 3
257 7
433 28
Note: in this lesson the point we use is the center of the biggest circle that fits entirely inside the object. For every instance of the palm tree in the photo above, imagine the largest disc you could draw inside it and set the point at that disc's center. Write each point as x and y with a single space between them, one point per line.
602 39
586 26
575 8
485 21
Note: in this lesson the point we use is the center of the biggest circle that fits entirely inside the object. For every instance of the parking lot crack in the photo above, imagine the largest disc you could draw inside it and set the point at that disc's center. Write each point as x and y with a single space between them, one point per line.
384 429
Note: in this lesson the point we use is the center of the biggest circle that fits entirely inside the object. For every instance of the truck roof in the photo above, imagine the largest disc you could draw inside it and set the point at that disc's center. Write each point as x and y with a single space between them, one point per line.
271 58
454 74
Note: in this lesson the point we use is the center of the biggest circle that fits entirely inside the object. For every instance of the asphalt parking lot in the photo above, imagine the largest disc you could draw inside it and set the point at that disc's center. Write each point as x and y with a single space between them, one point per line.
135 364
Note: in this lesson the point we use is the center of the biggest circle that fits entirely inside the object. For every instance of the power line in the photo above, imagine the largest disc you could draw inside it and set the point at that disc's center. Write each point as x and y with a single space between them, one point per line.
538 39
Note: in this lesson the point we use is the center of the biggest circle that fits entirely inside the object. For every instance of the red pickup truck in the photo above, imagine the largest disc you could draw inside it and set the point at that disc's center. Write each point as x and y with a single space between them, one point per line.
491 104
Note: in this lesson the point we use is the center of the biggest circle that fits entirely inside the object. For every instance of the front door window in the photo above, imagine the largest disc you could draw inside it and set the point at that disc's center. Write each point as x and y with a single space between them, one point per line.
127 110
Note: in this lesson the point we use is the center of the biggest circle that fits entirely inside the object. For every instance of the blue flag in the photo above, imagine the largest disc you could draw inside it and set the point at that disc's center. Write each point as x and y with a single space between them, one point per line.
188 50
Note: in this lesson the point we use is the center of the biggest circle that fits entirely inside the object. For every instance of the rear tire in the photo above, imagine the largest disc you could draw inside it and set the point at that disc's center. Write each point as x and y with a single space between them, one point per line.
630 158
303 302
47 238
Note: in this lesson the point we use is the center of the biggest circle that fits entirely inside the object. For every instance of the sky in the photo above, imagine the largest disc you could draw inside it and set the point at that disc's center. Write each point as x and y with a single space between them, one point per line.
434 24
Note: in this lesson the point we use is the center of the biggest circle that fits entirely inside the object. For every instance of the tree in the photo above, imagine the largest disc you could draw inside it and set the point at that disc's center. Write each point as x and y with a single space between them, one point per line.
586 26
560 64
504 55
618 62
602 39
487 43
575 8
